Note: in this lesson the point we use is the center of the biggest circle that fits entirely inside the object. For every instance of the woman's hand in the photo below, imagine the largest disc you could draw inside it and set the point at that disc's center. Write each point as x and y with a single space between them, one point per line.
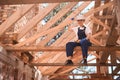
77 41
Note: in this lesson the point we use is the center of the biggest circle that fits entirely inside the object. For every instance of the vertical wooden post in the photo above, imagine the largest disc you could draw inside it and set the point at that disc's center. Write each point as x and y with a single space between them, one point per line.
117 6
15 74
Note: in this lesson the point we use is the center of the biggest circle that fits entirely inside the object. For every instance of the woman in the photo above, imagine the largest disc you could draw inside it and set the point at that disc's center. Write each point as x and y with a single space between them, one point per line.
83 33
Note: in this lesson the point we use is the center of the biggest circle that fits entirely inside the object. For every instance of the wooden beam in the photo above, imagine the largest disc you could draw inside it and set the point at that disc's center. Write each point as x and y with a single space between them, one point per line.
105 17
95 26
82 79
11 2
75 64
61 48
93 75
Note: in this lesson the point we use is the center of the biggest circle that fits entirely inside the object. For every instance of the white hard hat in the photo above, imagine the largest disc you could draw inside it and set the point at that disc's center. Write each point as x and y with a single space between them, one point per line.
79 17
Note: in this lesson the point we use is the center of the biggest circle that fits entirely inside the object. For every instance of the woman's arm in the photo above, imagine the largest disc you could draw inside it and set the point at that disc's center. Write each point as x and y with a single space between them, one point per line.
89 36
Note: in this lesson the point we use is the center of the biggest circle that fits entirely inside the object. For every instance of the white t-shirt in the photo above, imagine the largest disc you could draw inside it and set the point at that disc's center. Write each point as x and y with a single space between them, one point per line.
87 30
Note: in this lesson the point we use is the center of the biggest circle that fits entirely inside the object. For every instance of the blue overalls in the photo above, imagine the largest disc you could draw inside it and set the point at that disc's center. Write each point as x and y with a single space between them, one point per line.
84 43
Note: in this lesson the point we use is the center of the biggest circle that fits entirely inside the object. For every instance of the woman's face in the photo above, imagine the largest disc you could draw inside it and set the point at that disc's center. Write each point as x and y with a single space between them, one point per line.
80 22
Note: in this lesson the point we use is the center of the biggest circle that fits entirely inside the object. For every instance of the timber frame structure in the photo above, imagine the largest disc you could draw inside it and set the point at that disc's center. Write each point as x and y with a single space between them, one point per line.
20 20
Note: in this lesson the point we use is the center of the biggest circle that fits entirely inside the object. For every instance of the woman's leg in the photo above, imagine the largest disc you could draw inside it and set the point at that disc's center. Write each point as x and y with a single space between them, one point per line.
84 46
70 48
69 51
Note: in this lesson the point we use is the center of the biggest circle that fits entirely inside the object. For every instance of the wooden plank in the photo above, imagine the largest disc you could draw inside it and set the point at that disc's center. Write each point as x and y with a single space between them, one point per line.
81 79
93 74
61 48
105 17
75 64
11 2
14 17
97 4
36 19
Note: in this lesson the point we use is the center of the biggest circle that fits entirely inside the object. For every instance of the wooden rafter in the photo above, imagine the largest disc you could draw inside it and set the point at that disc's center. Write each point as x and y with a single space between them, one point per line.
10 2
105 17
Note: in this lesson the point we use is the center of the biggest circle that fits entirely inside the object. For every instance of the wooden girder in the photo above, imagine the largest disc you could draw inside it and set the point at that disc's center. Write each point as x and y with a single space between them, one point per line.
93 74
75 64
11 2
14 17
81 79
105 17
61 48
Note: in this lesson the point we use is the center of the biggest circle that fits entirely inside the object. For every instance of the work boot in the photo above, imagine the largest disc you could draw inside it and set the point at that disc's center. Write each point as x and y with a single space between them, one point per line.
68 62
83 61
